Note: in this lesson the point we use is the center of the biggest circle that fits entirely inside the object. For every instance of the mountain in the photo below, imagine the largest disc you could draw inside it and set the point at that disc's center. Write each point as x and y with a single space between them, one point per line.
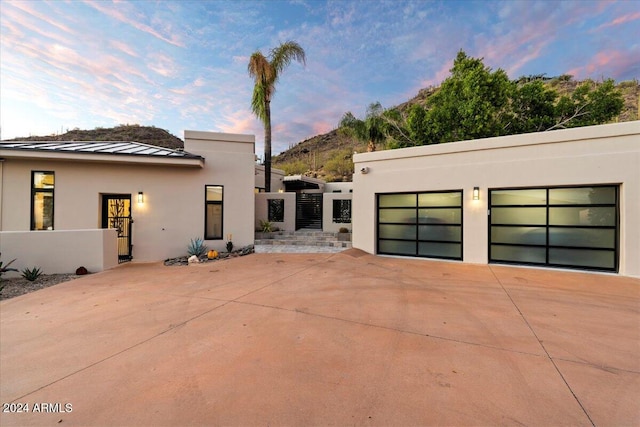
312 156
134 133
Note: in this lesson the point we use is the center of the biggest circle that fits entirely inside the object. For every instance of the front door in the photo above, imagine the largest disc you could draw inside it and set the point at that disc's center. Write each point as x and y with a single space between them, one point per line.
116 213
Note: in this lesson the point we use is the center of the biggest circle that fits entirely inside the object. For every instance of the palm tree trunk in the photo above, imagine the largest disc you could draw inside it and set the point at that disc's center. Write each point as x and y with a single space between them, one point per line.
267 148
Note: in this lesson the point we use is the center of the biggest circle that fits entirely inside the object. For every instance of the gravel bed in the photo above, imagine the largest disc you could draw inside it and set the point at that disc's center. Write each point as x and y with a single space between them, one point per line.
17 286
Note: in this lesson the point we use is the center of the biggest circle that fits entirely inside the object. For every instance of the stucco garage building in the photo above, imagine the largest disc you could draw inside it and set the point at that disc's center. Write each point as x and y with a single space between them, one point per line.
567 198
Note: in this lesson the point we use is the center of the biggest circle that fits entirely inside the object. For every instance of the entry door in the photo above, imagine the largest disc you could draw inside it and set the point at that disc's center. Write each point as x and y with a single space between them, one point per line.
309 211
116 213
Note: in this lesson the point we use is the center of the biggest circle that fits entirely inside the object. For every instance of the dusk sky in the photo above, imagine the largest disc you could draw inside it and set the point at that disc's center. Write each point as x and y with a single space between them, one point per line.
183 65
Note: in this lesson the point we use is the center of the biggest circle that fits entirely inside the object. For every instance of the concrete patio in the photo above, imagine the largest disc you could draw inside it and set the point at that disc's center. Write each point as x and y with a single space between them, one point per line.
325 339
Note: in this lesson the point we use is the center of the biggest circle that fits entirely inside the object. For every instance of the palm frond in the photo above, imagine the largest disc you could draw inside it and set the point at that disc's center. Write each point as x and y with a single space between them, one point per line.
282 56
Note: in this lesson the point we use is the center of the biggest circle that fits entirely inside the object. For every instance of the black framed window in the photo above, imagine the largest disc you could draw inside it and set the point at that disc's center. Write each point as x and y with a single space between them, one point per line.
276 210
427 224
42 200
573 227
214 203
342 211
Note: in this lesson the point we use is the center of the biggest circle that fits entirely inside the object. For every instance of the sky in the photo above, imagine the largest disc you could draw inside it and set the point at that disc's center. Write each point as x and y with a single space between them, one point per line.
181 65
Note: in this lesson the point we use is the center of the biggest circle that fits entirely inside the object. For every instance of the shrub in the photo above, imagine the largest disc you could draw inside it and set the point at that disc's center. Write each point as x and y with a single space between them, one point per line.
343 230
197 247
265 226
295 167
31 274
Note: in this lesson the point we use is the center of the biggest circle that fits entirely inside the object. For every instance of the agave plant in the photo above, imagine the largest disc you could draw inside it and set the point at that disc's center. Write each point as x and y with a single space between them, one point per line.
5 268
31 274
197 247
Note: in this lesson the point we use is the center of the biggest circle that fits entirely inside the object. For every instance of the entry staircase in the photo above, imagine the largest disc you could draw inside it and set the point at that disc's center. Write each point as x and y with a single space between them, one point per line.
305 238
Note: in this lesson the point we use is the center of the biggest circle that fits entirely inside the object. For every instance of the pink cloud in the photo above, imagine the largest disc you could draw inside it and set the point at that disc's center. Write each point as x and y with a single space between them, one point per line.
123 47
605 64
620 20
26 7
17 19
440 75
119 15
322 127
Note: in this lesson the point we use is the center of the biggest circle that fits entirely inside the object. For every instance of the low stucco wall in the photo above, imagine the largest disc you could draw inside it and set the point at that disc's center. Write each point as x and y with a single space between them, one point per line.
606 154
327 212
262 210
57 252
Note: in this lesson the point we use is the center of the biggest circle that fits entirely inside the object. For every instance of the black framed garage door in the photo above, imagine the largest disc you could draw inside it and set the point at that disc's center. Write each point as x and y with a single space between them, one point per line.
573 227
427 224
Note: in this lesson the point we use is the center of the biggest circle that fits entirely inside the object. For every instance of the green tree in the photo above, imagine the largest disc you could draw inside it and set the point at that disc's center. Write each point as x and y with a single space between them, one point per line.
266 72
471 103
373 129
590 103
532 107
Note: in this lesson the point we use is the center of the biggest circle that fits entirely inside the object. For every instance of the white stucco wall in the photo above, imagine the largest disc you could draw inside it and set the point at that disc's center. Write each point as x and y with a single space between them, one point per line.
606 154
262 210
327 212
58 252
277 176
174 196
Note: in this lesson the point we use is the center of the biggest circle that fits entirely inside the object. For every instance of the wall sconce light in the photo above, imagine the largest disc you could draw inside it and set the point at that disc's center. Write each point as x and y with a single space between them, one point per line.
140 197
476 193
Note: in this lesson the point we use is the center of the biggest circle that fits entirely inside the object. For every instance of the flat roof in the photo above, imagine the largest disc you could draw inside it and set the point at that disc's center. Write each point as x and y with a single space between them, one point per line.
120 151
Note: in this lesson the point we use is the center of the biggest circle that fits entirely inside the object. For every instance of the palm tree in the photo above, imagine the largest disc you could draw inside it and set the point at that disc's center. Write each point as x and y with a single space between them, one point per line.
266 71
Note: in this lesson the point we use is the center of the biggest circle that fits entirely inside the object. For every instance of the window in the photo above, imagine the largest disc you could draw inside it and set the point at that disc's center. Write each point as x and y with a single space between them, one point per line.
342 211
213 212
42 184
276 210
421 224
573 227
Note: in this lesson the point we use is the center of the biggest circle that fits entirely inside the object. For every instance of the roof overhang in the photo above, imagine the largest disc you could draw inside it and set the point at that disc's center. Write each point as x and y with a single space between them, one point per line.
9 150
301 182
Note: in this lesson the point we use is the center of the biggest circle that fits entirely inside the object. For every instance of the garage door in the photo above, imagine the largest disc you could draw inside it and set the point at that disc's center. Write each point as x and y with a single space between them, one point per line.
427 224
575 227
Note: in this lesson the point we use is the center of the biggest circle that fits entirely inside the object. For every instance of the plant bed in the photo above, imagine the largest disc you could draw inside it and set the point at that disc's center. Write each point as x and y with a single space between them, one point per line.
184 260
16 286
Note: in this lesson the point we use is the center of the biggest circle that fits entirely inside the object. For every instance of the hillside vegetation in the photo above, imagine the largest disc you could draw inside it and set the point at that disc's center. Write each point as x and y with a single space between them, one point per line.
474 102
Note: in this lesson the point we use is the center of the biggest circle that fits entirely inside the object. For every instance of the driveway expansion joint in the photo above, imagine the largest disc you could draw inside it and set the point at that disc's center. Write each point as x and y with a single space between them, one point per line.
543 346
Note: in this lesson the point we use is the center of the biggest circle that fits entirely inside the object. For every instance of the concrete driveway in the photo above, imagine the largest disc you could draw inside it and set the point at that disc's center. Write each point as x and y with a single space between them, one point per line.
324 339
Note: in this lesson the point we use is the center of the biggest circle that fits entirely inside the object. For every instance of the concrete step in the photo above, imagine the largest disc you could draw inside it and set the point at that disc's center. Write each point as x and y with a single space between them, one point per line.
315 238
278 242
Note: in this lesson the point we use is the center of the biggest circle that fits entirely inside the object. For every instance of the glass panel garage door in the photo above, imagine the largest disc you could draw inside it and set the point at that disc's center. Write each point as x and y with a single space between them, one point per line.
420 224
575 227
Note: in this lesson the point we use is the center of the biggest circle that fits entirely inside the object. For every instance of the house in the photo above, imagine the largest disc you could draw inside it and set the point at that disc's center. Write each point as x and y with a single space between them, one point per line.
566 198
66 204
561 199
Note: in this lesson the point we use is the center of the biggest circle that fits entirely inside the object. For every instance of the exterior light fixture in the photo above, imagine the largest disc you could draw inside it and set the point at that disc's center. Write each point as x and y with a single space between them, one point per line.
476 193
140 197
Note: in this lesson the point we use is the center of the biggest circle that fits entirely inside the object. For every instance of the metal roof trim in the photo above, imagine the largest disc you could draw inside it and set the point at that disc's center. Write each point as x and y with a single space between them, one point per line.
119 148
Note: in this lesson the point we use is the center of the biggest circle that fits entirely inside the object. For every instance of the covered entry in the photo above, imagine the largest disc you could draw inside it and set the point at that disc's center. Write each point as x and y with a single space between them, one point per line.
573 227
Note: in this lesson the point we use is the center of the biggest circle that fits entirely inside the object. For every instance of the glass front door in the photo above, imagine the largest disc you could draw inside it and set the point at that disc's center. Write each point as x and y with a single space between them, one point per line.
116 213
